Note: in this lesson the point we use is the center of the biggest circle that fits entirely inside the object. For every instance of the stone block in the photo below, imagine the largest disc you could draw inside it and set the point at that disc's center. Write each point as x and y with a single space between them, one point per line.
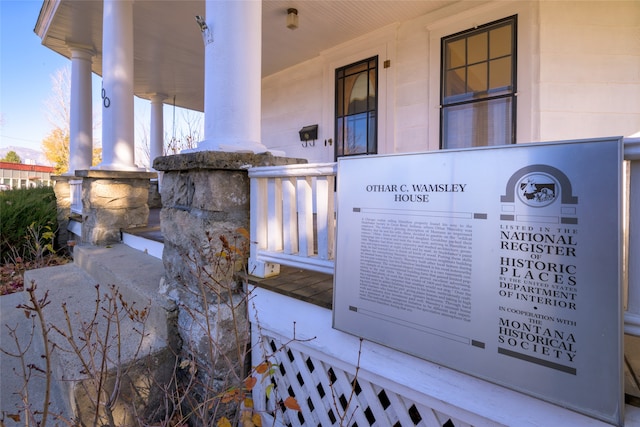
117 218
191 243
113 194
62 190
177 189
100 236
216 190
221 191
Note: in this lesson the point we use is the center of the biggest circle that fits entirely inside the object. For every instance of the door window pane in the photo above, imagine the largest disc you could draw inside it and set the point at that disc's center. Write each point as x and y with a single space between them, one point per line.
359 96
356 105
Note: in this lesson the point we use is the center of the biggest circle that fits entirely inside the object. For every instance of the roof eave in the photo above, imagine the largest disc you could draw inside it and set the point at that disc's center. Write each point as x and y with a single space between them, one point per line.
45 17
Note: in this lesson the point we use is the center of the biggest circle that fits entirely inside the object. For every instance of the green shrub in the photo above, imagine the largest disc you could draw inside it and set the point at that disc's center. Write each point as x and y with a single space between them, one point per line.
20 209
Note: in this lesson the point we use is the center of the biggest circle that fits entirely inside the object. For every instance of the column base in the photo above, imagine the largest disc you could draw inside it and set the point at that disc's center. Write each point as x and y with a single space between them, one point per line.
117 167
233 146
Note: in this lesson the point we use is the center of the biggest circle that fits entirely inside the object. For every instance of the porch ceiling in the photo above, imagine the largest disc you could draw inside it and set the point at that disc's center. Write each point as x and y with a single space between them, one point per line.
169 50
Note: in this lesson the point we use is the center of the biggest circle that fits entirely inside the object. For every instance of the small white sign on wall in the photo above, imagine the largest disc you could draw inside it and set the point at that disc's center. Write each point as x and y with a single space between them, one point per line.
503 263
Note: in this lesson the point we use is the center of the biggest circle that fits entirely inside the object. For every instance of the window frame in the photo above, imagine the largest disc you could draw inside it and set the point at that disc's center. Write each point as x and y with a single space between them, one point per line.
371 148
469 99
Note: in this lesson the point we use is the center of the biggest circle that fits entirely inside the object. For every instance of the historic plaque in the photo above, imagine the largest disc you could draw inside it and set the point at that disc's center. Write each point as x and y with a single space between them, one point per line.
503 263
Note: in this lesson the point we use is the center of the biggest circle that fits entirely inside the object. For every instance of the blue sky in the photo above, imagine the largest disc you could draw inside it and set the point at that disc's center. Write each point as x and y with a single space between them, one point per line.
26 68
25 75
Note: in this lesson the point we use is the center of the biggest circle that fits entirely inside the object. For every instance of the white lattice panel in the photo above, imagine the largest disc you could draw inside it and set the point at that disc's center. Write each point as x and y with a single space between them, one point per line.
328 396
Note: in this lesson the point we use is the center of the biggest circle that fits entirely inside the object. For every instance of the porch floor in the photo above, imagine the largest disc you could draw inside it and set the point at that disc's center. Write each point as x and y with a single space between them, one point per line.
152 231
305 285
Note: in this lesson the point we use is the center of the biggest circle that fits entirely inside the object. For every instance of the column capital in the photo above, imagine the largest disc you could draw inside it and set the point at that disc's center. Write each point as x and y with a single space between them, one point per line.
80 50
157 97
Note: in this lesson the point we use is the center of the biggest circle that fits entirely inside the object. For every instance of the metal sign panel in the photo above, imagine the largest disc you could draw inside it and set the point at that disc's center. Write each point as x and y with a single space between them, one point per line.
503 263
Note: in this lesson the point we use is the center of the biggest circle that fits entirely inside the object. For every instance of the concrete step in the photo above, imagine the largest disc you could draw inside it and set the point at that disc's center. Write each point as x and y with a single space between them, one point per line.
119 264
12 382
141 241
137 277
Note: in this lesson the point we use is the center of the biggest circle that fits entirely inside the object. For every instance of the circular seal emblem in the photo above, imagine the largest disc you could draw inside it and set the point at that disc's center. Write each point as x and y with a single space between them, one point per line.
537 189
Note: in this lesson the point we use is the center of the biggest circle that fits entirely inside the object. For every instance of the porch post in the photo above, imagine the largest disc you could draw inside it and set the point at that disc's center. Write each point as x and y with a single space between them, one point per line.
81 117
156 142
232 86
117 92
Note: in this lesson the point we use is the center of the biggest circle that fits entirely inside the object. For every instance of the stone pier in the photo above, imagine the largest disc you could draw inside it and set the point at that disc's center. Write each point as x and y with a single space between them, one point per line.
63 208
111 202
205 195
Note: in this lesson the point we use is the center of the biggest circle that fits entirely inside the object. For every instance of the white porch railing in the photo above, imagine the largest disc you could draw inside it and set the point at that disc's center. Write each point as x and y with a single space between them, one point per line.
292 218
75 194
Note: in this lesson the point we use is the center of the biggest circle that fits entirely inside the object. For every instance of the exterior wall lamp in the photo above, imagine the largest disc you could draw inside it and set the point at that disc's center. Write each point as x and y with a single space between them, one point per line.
292 18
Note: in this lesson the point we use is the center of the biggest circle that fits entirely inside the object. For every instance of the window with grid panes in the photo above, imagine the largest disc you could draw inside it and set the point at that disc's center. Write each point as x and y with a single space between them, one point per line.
478 86
356 108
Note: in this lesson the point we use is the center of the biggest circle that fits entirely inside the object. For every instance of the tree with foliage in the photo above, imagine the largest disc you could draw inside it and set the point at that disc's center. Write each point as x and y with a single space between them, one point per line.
11 157
56 147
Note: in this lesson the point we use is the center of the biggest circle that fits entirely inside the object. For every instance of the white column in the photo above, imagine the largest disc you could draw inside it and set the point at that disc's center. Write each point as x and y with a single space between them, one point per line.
117 83
232 86
156 137
81 113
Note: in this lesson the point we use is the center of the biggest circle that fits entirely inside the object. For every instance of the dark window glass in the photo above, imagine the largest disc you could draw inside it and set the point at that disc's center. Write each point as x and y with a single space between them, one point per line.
356 106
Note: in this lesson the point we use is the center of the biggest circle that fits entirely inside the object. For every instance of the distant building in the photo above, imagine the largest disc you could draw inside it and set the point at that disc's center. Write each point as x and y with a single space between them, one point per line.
19 175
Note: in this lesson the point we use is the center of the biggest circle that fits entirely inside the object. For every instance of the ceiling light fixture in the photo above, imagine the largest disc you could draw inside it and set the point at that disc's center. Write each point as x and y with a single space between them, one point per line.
292 18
